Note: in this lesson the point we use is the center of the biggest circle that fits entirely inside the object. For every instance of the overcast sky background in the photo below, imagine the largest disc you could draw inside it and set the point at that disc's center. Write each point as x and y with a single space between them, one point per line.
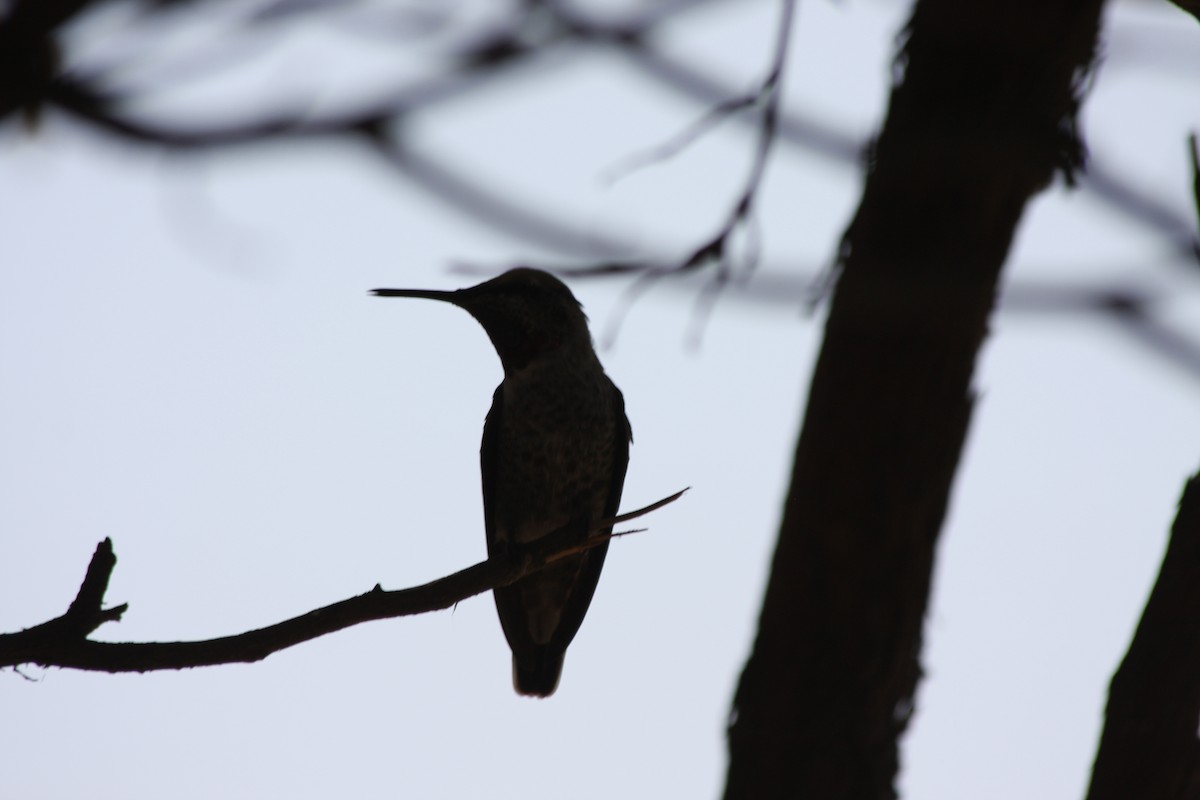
193 367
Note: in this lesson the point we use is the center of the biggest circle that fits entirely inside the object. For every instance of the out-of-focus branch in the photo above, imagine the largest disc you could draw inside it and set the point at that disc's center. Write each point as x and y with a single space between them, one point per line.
28 79
29 58
714 251
63 642
1149 748
1194 158
795 128
496 207
1140 207
105 113
381 122
486 58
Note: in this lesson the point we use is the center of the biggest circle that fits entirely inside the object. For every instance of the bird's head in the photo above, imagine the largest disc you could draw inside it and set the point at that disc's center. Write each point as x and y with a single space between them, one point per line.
526 312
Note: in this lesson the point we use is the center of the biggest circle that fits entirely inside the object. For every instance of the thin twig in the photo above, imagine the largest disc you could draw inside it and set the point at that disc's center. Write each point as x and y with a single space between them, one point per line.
717 248
682 140
641 512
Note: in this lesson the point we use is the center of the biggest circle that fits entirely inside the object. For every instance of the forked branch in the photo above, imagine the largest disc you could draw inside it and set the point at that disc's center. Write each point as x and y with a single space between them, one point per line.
64 642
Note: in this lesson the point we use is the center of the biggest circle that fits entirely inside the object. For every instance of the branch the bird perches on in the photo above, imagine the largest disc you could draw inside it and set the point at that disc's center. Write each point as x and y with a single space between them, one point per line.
63 642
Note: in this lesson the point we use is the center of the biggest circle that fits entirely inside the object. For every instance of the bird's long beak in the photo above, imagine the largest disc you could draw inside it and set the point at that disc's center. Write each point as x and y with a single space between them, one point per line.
426 294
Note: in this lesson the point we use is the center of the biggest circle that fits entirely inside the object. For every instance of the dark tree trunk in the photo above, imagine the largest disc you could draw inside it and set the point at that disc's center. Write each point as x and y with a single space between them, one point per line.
982 118
1149 748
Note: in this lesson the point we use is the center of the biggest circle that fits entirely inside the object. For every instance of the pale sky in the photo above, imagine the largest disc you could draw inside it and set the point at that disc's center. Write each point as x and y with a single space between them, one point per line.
194 368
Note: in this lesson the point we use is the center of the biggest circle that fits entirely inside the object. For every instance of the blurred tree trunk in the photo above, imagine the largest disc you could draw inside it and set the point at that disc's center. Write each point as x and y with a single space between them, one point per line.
980 121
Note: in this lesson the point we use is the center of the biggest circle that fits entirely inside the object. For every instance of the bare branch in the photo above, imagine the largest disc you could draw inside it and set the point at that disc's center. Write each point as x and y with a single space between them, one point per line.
84 615
716 249
63 642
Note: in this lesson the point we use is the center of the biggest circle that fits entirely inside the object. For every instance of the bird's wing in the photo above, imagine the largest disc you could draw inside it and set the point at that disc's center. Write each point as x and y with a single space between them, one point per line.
537 666
487 465
624 437
591 562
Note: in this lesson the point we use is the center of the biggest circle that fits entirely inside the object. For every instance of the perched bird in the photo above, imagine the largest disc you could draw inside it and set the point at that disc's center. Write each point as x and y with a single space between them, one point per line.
554 453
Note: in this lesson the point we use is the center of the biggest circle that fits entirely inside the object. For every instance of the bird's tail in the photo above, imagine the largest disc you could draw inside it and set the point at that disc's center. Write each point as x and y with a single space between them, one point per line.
536 673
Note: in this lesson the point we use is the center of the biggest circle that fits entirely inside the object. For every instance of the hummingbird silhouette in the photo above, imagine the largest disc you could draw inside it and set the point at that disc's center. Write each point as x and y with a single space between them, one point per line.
554 454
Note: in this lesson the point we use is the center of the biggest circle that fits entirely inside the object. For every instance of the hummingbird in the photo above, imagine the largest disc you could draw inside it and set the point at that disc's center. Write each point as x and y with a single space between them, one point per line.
554 454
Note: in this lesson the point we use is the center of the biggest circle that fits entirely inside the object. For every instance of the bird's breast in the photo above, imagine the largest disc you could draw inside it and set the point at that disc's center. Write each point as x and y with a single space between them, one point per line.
555 452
